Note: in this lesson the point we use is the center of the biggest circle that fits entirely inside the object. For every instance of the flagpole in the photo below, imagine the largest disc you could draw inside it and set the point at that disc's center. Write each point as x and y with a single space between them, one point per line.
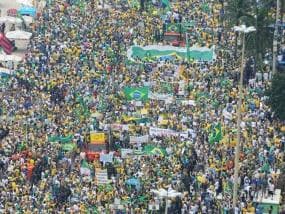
275 38
243 29
187 47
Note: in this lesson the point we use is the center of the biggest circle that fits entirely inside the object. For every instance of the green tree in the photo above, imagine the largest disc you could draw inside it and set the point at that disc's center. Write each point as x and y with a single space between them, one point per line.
282 9
262 39
237 12
276 95
257 13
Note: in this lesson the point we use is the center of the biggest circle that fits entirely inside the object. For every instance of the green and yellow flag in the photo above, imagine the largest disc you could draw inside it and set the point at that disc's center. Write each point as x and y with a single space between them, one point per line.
174 27
68 146
153 150
216 134
61 139
132 93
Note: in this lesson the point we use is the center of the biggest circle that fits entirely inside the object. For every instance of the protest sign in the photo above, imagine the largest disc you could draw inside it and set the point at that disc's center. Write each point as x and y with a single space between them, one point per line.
106 158
139 139
126 152
153 131
162 132
97 138
101 176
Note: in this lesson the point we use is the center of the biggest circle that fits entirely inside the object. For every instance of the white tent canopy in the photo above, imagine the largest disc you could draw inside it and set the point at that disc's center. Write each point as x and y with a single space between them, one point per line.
26 2
10 19
18 35
14 58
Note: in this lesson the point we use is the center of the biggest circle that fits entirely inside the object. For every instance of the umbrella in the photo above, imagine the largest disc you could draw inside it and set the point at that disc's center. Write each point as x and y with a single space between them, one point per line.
18 34
12 12
133 182
15 58
25 2
10 19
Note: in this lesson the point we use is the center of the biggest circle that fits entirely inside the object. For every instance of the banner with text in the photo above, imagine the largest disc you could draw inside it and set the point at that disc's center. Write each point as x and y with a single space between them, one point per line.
101 176
153 131
97 138
139 139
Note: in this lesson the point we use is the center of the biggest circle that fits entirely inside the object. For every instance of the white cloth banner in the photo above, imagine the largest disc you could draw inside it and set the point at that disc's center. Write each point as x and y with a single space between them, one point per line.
156 96
162 132
153 131
139 139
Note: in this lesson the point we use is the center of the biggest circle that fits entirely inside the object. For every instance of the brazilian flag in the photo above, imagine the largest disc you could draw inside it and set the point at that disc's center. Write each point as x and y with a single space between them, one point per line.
154 150
216 134
174 27
136 93
82 107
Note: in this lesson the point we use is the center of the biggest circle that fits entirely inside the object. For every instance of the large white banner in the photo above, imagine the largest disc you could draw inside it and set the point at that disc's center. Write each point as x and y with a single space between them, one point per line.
156 96
139 139
162 132
153 131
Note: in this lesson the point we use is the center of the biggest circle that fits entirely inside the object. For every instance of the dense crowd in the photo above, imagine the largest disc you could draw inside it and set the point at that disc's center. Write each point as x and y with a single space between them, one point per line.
78 54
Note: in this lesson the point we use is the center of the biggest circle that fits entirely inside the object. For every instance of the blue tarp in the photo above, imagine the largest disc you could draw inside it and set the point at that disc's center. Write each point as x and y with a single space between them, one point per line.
31 11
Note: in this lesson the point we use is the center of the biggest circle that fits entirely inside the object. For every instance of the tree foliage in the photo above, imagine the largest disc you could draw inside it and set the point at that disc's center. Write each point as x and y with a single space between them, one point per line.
277 95
262 39
236 11
257 13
